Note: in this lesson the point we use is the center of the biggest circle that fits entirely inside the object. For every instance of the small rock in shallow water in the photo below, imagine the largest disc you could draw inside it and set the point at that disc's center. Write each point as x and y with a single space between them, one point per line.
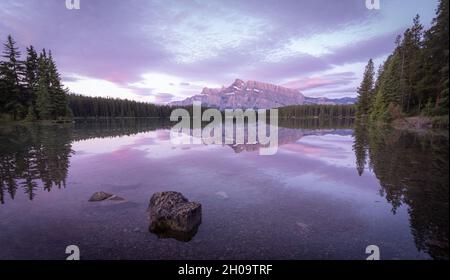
304 228
116 198
172 215
100 196
224 195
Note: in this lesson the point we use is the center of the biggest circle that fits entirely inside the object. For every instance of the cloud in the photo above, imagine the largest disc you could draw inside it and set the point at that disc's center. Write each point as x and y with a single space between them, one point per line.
328 80
194 44
371 47
102 88
163 97
164 83
333 93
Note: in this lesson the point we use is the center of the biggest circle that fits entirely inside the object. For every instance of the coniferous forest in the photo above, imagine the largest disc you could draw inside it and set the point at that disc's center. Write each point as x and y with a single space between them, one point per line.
414 79
317 111
31 88
101 107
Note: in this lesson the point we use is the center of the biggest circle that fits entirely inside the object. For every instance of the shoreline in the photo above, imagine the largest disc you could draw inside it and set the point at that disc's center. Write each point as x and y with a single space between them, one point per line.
421 123
73 120
416 123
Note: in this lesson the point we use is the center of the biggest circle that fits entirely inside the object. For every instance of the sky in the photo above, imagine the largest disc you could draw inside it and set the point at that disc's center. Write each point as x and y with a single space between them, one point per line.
163 51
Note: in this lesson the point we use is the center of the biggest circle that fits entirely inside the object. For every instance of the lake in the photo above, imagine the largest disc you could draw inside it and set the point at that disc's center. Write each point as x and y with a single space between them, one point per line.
332 189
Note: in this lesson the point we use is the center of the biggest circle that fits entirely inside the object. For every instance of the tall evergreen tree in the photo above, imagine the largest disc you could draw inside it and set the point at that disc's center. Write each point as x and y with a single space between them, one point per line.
31 79
436 56
3 91
44 104
416 68
57 93
13 97
414 78
365 91
410 72
30 89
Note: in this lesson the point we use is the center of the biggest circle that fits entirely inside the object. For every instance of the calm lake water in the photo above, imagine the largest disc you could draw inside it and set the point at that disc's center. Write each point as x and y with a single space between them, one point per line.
330 191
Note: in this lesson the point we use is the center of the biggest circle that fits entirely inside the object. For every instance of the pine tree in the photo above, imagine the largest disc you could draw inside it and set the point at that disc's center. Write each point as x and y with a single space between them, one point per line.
414 78
31 79
3 91
436 56
44 104
411 66
377 102
13 64
57 93
365 91
12 70
390 88
31 89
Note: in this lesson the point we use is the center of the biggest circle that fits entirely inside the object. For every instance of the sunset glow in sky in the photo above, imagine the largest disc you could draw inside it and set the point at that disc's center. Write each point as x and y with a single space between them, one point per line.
161 51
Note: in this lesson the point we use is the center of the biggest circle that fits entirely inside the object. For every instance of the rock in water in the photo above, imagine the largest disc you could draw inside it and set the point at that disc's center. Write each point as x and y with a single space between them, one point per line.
222 194
99 196
173 215
116 198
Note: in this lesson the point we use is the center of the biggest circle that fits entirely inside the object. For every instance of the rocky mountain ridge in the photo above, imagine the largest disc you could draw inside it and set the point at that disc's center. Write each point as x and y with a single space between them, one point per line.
253 94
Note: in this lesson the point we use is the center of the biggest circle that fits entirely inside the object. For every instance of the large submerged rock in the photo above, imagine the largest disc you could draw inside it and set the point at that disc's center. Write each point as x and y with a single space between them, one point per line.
173 216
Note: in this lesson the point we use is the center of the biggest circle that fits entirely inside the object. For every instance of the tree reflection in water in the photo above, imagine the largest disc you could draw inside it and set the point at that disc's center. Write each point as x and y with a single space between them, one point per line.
412 170
33 156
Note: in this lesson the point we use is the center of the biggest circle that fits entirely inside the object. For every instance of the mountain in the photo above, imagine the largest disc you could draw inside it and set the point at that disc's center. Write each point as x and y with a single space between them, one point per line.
253 94
250 94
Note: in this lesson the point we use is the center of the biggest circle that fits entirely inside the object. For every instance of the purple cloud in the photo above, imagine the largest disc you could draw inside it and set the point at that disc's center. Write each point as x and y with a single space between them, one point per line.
163 97
328 80
204 43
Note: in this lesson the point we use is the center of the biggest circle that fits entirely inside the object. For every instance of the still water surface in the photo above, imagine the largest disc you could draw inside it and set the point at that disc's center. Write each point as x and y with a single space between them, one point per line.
330 191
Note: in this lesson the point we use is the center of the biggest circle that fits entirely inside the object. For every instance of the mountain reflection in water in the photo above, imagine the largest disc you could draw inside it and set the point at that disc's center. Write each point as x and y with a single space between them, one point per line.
412 169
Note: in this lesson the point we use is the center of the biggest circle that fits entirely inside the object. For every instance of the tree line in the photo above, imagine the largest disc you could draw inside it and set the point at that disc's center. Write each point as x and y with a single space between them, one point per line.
317 111
414 78
30 89
105 107
101 107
